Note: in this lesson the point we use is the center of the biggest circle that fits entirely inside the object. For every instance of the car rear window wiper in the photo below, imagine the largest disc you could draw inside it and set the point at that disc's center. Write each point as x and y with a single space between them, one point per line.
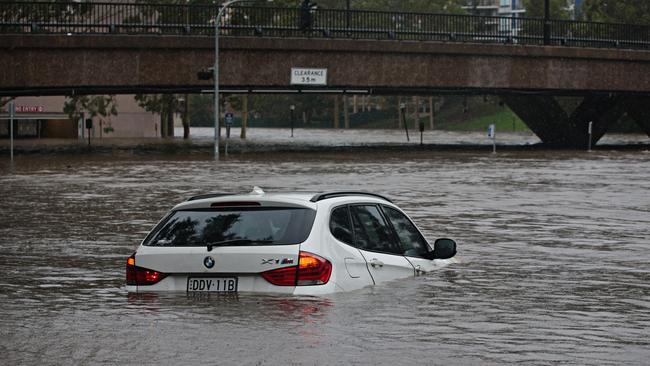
236 242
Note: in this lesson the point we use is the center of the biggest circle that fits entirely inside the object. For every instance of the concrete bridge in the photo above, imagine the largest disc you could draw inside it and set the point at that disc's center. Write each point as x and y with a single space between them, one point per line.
613 81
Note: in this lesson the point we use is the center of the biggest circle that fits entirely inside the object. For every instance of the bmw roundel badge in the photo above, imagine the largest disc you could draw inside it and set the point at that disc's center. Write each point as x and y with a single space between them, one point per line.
208 262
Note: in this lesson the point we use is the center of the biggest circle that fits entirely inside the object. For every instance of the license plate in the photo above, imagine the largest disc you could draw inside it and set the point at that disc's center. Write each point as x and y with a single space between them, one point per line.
212 284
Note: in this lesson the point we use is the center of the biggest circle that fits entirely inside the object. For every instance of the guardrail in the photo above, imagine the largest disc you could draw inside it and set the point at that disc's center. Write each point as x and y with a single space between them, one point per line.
198 20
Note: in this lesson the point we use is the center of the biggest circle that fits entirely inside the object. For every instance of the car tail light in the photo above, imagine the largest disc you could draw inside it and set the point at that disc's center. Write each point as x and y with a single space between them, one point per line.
282 276
139 276
311 270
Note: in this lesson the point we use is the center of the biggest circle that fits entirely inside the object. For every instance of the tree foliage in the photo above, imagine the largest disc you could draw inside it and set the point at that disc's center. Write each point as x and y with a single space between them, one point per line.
90 106
56 10
558 9
163 104
617 11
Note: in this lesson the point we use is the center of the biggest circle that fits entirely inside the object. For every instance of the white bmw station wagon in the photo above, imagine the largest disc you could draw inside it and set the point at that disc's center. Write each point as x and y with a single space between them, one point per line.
294 243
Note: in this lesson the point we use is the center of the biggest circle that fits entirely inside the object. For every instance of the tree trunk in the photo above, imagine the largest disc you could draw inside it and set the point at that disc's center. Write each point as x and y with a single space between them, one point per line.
163 123
186 117
244 116
170 120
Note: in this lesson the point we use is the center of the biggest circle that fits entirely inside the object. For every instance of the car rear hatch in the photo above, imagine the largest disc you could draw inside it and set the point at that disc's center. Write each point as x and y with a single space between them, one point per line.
225 247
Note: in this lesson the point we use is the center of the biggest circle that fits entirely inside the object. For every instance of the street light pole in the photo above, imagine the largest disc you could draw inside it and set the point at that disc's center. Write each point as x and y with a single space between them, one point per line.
217 24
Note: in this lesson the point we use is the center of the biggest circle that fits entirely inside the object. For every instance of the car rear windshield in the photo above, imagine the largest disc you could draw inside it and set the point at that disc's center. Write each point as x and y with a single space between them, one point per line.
260 225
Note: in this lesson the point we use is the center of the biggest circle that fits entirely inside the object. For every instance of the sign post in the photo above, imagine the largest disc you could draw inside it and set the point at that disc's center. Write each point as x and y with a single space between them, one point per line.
493 135
89 126
421 132
229 119
589 131
12 113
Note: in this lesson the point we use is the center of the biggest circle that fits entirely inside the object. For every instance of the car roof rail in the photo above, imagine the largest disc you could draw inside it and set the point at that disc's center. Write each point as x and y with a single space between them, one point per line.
326 195
208 195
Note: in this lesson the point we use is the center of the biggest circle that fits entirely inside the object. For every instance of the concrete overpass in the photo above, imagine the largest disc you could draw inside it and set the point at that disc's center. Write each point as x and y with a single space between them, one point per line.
58 64
613 81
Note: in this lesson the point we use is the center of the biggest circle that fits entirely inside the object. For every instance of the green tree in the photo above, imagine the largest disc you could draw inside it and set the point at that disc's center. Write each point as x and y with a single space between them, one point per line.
202 110
163 104
617 11
59 11
90 106
558 9
421 6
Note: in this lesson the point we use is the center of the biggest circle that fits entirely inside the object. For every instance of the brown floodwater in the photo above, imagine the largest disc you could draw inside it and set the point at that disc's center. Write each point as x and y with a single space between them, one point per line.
554 262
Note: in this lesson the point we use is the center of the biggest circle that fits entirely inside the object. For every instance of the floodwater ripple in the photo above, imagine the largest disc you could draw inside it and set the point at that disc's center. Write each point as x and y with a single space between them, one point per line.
553 264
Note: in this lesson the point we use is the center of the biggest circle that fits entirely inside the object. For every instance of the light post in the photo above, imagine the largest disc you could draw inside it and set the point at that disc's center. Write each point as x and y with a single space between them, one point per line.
217 22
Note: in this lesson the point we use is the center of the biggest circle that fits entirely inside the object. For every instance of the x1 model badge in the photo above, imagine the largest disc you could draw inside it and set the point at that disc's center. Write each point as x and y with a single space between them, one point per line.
208 262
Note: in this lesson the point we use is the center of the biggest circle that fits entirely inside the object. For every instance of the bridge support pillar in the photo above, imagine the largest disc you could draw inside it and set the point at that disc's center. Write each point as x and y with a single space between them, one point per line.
638 108
554 126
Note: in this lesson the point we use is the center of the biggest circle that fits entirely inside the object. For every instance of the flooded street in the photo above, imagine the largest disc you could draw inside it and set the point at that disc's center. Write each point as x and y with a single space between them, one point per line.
554 262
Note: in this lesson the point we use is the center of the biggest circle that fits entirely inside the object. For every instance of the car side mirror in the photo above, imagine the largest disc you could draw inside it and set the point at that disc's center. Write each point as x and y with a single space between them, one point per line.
444 249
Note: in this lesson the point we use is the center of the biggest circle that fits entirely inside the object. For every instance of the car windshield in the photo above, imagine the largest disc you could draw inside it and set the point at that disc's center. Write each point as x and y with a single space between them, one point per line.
249 226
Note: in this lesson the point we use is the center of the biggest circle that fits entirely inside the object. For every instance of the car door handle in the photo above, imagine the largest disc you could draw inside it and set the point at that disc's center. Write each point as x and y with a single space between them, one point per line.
376 263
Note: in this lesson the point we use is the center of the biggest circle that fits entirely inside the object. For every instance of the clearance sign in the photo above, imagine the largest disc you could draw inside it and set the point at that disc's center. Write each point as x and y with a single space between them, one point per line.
303 76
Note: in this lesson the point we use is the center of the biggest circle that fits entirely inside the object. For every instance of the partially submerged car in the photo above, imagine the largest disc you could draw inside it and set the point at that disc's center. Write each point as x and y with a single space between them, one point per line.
294 243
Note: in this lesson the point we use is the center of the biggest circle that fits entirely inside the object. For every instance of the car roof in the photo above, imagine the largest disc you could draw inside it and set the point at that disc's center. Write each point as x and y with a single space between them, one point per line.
300 199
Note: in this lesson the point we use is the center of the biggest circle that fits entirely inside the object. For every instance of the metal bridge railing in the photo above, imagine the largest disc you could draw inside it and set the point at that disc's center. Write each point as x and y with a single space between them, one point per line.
23 17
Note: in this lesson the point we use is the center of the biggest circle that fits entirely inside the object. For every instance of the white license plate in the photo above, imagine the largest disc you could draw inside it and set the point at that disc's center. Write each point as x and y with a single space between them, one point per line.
212 284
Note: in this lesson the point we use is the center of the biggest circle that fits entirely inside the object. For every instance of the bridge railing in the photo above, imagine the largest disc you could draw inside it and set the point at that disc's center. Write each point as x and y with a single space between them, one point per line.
26 17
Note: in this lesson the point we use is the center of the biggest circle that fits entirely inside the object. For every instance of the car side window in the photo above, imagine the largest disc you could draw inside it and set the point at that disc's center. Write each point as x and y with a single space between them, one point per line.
340 225
371 232
412 241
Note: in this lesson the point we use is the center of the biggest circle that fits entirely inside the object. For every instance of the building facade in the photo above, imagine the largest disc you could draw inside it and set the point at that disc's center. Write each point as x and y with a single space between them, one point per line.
512 9
43 117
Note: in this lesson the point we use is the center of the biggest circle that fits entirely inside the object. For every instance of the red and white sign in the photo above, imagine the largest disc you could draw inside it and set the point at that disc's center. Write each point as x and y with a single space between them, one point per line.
29 109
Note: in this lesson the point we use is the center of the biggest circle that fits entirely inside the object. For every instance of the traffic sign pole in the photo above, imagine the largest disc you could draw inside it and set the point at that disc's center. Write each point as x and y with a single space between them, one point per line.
493 135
